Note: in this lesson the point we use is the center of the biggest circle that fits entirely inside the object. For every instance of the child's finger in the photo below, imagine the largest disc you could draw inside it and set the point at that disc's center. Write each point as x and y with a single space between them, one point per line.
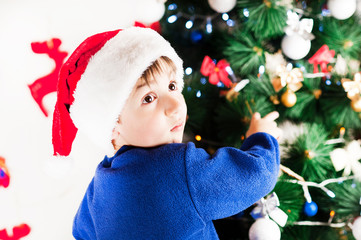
272 116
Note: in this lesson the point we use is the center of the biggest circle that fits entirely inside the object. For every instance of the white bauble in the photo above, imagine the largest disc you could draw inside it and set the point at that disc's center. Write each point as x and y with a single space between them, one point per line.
342 9
264 229
356 228
149 11
295 46
222 6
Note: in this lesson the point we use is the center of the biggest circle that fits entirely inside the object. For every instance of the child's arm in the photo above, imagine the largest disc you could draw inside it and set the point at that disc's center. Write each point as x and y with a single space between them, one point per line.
233 179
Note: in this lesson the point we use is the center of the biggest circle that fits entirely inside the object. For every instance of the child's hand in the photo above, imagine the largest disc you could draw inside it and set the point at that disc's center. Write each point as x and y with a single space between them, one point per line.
266 124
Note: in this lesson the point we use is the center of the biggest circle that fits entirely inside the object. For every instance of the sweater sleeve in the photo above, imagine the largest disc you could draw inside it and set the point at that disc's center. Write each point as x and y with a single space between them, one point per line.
232 179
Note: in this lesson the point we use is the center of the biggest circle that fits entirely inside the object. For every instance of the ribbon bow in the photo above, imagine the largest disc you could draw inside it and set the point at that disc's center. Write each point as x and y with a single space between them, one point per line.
216 73
269 207
323 56
353 88
285 77
347 159
295 26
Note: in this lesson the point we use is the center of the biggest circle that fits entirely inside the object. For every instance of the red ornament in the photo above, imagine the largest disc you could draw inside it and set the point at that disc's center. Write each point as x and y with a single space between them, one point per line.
19 232
4 174
155 26
322 57
47 84
216 73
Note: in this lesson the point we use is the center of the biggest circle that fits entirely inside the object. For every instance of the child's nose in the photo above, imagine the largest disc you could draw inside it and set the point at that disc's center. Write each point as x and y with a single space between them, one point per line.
172 105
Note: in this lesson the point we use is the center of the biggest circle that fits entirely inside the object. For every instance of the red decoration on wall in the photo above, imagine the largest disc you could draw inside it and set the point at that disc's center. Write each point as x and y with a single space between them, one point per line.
4 174
19 232
216 73
322 57
155 26
47 84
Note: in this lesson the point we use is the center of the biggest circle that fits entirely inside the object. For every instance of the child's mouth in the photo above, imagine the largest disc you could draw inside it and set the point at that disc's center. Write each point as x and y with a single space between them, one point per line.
177 128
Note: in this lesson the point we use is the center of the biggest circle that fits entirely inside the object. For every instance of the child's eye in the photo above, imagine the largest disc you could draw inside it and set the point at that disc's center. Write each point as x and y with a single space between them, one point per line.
148 99
172 86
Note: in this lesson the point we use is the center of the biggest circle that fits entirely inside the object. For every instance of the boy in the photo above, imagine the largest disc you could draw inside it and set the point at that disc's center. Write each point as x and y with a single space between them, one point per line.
123 89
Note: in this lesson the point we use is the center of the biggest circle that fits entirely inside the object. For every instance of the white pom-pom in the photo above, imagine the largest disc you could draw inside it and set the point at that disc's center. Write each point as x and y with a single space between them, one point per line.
356 228
150 11
342 9
264 229
222 6
295 46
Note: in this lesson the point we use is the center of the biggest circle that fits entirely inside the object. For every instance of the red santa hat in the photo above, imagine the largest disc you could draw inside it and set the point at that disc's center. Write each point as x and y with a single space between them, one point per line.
97 79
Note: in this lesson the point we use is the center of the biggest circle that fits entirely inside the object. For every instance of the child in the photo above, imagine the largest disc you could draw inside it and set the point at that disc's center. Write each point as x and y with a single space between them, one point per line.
123 89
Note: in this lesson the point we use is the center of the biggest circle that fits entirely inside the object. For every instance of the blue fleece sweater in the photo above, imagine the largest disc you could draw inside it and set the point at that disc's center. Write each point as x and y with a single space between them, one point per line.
175 191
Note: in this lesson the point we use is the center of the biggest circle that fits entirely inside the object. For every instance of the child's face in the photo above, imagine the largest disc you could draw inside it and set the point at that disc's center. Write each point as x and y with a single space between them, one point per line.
153 115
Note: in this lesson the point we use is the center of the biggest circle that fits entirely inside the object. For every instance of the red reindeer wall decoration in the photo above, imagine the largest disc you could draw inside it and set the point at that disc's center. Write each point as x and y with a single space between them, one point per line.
47 84
4 174
19 232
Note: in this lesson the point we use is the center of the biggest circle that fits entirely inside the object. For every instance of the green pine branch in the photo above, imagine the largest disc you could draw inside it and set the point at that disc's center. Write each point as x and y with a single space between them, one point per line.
267 18
308 155
244 53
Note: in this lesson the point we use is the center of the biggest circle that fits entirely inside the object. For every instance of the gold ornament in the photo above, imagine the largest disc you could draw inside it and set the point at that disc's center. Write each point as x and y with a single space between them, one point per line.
289 98
356 105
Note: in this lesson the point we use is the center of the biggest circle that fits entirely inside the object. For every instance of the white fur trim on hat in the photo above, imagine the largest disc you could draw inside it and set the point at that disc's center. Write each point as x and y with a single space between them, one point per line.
110 77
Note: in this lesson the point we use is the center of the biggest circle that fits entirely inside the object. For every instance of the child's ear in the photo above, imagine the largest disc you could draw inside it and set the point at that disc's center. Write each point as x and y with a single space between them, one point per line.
116 129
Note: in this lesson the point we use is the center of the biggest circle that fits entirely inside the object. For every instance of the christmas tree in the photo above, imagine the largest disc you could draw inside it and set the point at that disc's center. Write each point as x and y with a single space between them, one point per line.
302 59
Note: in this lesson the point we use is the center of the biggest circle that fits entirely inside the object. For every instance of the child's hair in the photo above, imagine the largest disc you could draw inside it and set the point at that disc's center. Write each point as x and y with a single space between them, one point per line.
161 65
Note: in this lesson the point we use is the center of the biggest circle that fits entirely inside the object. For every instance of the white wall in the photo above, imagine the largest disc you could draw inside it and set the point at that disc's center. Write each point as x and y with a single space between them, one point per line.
45 192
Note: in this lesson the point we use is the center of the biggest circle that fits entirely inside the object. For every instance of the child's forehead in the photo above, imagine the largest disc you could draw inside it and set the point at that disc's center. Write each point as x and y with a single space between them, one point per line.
154 79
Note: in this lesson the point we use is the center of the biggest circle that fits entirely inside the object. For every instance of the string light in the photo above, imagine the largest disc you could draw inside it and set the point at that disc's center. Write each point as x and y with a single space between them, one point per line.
332 215
172 7
246 12
230 23
261 69
209 27
189 24
342 132
172 19
198 138
188 71
325 12
225 16
204 19
198 94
